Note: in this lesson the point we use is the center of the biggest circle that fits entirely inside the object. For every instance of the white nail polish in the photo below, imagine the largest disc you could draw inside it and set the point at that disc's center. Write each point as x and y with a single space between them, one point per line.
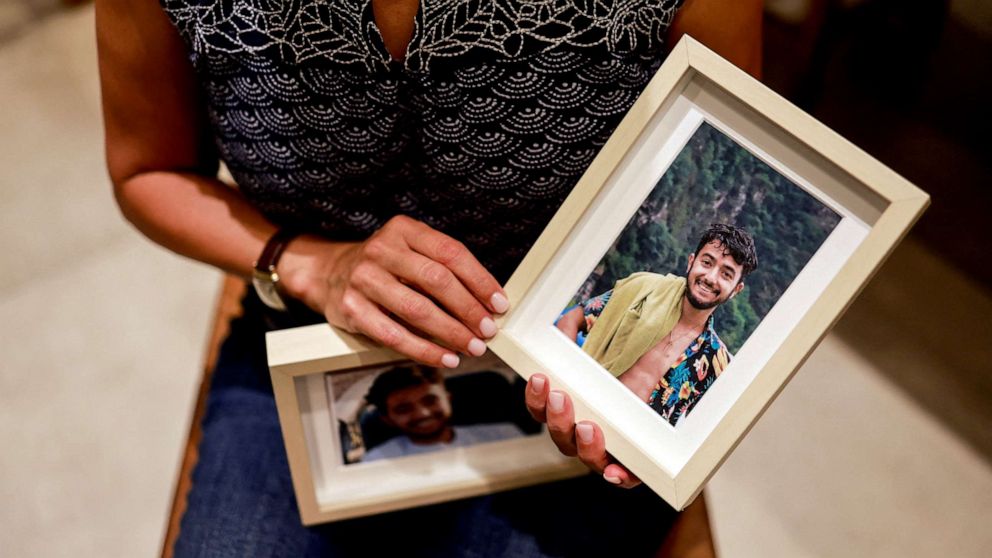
476 347
449 360
556 400
537 384
584 433
612 480
499 302
488 327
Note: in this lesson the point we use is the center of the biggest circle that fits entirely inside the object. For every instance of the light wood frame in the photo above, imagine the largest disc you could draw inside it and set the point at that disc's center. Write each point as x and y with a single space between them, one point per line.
877 208
327 490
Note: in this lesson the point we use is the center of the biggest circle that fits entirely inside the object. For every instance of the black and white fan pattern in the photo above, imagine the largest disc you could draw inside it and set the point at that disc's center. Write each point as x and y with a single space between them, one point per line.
481 131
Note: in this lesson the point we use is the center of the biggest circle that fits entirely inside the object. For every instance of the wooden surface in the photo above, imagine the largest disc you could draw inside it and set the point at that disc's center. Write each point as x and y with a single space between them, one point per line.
228 306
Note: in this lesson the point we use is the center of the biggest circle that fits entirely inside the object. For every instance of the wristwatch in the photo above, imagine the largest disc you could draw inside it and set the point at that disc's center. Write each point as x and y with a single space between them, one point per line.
264 277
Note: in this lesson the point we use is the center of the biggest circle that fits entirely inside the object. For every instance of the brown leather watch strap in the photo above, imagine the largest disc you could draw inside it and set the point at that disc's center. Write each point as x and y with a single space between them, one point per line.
274 249
264 278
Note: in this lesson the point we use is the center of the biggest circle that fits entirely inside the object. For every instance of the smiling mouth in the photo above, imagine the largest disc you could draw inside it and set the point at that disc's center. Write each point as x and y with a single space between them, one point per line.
707 290
426 424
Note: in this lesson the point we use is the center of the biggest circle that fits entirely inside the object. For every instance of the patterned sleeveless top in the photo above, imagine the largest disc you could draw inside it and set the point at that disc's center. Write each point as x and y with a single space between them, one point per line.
481 131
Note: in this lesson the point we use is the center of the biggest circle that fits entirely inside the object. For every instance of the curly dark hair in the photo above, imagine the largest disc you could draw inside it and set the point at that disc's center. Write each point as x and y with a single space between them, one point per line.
735 241
400 377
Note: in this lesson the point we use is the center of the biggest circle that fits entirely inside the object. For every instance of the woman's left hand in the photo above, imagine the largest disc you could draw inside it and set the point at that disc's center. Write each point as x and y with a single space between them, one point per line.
583 439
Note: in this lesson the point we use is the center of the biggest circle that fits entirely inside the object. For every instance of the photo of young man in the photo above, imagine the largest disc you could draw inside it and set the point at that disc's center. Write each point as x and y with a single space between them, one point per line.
414 401
656 332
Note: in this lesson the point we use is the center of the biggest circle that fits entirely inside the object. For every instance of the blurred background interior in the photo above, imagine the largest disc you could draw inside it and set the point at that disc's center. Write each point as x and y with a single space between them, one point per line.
880 446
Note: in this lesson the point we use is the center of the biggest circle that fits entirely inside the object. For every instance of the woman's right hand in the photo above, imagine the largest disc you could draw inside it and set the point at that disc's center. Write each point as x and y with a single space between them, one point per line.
584 439
408 286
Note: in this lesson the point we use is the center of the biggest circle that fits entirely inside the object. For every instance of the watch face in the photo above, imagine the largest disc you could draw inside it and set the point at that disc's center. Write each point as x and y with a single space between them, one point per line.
265 287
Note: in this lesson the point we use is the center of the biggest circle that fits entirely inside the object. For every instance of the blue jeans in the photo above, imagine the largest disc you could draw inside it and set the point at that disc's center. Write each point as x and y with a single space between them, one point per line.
242 502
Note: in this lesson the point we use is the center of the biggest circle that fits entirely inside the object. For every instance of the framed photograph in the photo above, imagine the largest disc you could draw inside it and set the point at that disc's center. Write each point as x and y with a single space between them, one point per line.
713 242
367 431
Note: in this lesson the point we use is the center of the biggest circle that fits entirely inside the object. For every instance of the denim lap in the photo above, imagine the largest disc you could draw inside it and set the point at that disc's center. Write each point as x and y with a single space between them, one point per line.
242 501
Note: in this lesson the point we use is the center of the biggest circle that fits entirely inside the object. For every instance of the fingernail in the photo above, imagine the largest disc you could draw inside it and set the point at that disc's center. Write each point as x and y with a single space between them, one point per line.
499 302
556 400
611 480
476 347
488 327
584 432
537 384
449 360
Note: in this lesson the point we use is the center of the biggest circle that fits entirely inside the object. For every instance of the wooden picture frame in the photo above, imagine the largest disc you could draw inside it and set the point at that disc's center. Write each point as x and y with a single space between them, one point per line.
328 489
875 208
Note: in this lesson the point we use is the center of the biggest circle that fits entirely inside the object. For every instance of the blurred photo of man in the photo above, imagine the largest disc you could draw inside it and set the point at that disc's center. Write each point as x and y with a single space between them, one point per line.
656 333
414 400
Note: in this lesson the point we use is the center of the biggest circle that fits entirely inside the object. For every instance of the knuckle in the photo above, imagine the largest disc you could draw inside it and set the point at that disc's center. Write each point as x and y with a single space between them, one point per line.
537 413
428 355
398 220
476 313
453 337
374 248
593 460
558 428
349 304
436 276
348 309
388 335
362 275
396 224
482 281
449 250
414 307
564 447
532 400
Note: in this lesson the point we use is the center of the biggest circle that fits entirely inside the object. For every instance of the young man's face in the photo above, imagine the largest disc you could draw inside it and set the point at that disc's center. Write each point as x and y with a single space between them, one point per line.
713 276
419 411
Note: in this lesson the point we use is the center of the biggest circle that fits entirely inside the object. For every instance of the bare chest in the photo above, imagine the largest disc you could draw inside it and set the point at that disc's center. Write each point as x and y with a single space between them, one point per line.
645 374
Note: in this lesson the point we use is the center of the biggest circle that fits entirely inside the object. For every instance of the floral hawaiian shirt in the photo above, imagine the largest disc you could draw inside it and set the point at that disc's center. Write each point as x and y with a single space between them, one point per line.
699 365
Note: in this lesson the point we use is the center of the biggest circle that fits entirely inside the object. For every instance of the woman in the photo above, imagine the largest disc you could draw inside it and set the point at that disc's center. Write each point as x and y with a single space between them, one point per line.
394 161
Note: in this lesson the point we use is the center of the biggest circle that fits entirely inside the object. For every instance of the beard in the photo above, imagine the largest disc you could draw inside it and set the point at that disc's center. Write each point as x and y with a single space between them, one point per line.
419 431
699 304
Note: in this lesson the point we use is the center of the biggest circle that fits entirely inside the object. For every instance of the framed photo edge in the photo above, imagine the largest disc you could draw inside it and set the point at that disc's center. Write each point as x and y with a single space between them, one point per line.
786 362
904 203
288 409
317 349
817 136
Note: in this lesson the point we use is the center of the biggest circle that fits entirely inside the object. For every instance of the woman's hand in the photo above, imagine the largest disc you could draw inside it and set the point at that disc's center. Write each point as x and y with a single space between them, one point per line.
583 439
402 287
